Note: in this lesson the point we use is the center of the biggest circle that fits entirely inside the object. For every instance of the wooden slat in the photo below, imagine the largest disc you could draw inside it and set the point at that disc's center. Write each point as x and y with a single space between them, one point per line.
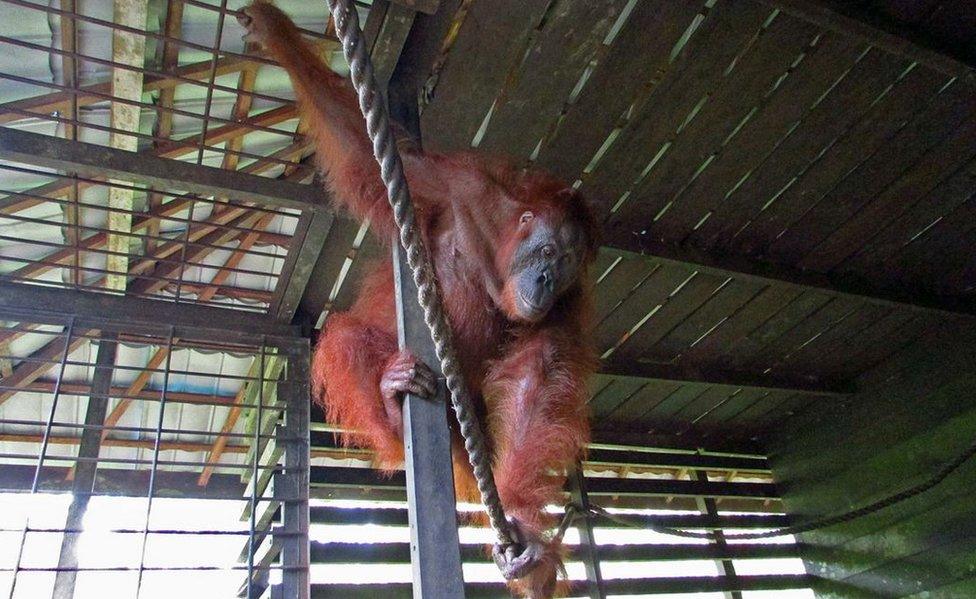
747 319
744 349
716 310
936 166
759 138
623 586
698 290
864 23
939 203
638 58
883 168
387 553
397 516
363 478
619 283
567 41
60 101
654 291
638 404
908 96
694 148
725 32
849 98
42 360
490 42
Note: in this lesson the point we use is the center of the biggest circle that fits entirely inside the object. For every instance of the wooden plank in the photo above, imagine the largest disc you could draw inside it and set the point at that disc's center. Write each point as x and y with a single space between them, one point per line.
638 404
843 339
387 553
617 285
938 165
220 324
841 106
662 414
725 32
938 204
99 161
619 390
490 42
563 46
678 306
717 418
659 202
829 315
826 214
329 264
747 319
695 412
860 21
712 196
931 258
621 586
637 60
720 307
366 478
652 292
746 348
397 516
60 101
716 375
127 49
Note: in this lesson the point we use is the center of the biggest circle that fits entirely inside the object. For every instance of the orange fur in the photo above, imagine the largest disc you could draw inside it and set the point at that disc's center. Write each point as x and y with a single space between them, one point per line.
530 379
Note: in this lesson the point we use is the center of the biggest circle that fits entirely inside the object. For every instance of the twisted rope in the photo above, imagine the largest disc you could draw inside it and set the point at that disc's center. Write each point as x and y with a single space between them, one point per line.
943 473
391 169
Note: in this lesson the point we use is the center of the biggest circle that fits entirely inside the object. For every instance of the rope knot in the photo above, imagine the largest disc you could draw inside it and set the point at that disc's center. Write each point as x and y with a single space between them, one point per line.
521 556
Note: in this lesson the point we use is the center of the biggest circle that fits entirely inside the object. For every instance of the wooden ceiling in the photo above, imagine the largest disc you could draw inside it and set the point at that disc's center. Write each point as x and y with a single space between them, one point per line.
787 191
787 187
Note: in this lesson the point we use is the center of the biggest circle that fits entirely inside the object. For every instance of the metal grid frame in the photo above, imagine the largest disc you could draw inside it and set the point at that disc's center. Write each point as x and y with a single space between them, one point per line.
272 480
68 226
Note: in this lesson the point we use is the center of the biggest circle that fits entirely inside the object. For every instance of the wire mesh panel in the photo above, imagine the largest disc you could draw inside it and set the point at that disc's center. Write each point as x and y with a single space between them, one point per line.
157 82
361 541
151 460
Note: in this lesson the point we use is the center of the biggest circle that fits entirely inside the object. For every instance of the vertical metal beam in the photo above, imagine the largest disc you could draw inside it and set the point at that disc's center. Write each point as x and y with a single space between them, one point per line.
435 552
576 484
708 506
84 481
291 486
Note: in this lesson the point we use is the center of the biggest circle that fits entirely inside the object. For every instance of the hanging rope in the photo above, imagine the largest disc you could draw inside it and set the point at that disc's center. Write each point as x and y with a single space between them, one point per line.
371 103
573 511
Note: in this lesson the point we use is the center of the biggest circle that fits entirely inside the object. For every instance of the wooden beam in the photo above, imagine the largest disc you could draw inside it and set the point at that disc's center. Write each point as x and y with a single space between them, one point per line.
16 202
713 376
163 128
134 388
127 49
853 19
37 364
86 95
145 394
18 302
767 273
83 474
186 446
91 160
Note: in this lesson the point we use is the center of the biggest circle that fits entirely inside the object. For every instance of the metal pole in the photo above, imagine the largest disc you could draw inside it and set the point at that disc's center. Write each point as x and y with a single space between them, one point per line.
709 507
85 470
588 547
291 486
435 552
